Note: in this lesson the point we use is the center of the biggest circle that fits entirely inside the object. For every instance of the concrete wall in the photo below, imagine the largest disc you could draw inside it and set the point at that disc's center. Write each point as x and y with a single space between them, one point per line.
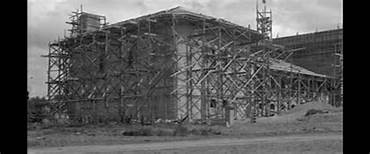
320 49
161 104
185 105
89 22
105 82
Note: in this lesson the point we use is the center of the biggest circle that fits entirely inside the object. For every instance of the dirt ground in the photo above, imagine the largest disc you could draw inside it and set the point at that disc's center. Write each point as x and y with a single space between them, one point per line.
291 123
330 143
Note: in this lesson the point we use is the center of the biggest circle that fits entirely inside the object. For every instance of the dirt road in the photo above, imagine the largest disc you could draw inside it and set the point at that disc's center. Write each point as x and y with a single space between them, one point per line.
331 143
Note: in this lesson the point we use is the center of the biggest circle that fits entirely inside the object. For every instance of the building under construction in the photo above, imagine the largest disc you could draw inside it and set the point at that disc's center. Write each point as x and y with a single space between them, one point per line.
322 53
321 50
175 64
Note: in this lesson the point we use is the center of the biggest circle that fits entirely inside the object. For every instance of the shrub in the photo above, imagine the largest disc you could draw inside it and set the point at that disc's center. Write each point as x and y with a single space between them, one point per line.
314 111
148 131
195 131
166 132
181 131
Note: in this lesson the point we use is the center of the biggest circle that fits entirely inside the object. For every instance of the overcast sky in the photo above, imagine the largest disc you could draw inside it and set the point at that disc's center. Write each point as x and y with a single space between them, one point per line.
46 20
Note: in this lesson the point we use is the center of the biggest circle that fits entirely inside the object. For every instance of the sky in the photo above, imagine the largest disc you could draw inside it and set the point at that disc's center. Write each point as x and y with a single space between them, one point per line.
46 21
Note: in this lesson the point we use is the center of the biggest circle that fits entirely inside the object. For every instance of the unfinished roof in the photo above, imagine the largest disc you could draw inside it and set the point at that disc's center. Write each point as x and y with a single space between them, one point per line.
319 33
281 65
181 11
184 11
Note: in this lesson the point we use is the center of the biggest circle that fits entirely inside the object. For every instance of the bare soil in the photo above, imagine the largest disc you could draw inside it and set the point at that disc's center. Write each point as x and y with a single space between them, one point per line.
293 122
281 144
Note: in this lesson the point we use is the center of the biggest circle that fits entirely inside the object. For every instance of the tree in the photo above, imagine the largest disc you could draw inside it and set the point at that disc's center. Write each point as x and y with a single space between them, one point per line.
36 108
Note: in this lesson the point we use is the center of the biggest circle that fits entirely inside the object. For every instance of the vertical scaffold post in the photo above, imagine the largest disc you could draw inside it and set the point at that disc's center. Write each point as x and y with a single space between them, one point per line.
253 101
203 90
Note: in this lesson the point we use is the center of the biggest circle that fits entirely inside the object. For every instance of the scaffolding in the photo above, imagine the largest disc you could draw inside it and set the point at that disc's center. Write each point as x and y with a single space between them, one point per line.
320 47
219 66
337 99
147 69
82 22
323 54
264 20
